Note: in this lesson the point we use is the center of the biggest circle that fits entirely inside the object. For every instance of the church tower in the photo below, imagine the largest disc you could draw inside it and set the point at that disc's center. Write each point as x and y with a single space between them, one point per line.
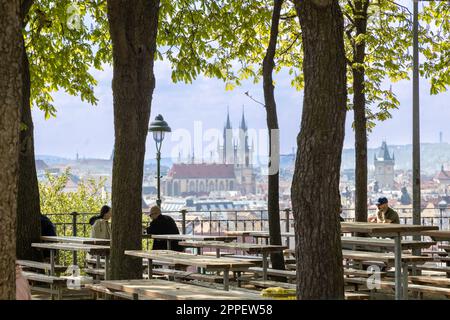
384 167
227 150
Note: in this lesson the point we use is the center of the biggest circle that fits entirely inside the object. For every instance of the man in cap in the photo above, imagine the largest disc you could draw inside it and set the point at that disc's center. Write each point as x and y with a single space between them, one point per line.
385 213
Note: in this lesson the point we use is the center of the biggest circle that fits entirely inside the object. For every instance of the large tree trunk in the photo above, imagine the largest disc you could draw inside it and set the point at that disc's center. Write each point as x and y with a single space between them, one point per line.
133 28
315 186
28 204
274 139
359 109
10 100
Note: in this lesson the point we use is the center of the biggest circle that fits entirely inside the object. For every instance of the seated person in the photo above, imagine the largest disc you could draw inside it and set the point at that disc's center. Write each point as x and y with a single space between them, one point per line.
47 229
101 228
162 224
385 213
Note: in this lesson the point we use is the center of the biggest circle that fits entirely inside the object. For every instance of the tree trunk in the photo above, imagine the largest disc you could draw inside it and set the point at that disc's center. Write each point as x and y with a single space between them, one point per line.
133 28
359 109
10 100
315 185
274 139
28 204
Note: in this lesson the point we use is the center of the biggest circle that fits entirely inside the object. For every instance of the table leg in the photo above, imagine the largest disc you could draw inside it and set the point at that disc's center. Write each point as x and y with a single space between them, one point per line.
52 262
405 281
226 279
264 260
107 267
150 268
168 245
98 266
398 267
217 253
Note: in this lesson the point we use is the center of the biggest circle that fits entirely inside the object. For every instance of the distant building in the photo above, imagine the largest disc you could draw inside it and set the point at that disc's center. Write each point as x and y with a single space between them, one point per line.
41 165
442 178
196 179
384 168
234 173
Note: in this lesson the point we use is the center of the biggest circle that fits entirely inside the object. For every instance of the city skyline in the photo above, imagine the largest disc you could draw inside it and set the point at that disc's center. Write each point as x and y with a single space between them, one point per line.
88 131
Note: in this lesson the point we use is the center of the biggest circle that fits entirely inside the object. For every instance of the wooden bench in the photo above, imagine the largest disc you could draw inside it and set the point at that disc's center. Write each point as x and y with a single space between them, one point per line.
435 252
437 281
185 275
56 284
292 286
384 284
289 274
269 284
361 273
35 265
445 269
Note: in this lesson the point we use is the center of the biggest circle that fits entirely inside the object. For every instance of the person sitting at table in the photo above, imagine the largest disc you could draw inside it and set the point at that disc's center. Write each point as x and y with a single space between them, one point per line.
47 230
100 224
385 213
162 224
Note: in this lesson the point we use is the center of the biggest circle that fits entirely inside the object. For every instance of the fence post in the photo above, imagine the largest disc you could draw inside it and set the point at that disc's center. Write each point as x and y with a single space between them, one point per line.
183 220
74 233
287 227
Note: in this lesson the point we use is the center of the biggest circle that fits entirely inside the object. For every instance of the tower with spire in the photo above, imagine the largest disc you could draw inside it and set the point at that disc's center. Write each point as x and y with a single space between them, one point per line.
227 149
384 167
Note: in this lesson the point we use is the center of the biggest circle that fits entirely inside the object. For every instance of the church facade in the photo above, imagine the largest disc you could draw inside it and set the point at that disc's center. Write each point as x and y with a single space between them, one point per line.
233 172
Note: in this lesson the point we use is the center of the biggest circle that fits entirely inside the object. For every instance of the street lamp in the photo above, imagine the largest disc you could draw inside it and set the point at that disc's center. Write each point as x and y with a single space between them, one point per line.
159 127
442 205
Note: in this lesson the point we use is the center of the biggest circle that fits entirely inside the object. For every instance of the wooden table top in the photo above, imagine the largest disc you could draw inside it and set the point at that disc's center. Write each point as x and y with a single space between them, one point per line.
388 258
79 240
239 233
387 229
248 247
192 237
169 290
189 259
91 248
437 235
385 243
265 234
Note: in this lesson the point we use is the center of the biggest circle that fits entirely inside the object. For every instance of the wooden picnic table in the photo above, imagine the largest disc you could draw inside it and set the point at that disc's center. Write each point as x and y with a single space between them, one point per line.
266 235
390 230
169 290
437 235
78 240
171 237
188 259
385 243
247 247
99 250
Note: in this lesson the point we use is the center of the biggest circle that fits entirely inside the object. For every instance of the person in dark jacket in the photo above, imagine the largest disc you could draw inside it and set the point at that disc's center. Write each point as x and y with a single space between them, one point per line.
162 224
47 227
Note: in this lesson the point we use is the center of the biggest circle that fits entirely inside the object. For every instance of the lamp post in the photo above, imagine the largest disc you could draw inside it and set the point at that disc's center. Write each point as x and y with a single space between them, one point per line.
442 205
159 127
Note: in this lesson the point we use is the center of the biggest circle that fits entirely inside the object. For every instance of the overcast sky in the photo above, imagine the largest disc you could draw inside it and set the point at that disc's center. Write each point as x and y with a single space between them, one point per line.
88 130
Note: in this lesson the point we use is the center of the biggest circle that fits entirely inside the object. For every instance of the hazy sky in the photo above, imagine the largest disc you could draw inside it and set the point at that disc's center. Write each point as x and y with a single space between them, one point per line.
89 130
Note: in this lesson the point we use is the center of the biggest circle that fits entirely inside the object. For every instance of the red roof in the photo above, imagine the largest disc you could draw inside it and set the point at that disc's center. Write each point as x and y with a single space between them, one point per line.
442 175
202 171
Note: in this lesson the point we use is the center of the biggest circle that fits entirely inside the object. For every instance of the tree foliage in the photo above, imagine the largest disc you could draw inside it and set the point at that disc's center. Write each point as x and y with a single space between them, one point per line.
65 42
89 196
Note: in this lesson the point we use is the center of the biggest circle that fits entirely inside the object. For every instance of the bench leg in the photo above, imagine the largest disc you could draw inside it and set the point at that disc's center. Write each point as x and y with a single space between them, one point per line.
405 281
226 279
59 294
